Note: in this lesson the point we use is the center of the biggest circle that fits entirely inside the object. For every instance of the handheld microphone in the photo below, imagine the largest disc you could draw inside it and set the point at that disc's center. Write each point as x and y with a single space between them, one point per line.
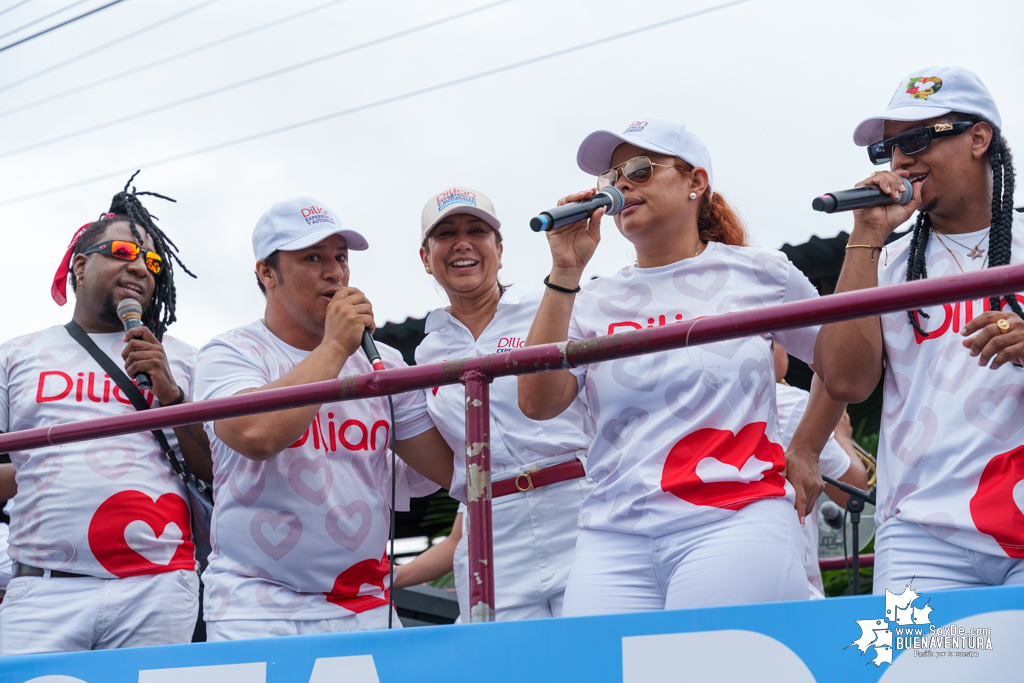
130 313
859 197
609 197
370 349
832 514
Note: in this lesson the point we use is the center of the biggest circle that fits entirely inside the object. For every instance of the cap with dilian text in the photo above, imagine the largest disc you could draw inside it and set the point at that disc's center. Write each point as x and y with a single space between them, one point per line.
299 223
656 135
930 92
457 200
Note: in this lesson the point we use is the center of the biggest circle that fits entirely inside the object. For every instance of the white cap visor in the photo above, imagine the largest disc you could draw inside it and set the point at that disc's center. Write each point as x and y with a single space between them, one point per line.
871 130
353 240
595 152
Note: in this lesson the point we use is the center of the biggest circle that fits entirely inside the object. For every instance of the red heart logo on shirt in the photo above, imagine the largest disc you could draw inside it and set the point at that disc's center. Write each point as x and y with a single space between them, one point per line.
994 509
350 583
718 468
116 541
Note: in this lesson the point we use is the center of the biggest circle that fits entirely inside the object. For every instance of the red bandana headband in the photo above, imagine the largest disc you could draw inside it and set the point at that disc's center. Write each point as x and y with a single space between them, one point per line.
60 279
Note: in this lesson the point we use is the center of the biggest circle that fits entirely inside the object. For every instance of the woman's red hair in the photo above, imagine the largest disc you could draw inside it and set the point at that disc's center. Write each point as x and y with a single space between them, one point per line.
717 221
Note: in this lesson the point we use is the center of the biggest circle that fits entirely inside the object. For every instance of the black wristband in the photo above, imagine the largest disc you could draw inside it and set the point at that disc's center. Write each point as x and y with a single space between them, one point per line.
180 399
560 289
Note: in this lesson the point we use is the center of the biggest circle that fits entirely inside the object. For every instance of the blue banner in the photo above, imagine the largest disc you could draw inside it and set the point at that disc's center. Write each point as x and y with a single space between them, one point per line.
957 636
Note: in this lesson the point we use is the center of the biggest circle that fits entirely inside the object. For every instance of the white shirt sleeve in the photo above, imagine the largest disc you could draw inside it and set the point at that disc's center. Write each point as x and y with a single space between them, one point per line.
834 461
799 342
222 370
409 484
575 333
411 416
4 397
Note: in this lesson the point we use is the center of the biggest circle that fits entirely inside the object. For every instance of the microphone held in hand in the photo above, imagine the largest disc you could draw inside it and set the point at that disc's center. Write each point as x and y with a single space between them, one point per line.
860 197
608 197
130 313
370 349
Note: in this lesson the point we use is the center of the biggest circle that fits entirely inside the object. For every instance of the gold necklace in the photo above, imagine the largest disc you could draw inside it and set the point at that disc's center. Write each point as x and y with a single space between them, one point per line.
955 260
975 252
700 249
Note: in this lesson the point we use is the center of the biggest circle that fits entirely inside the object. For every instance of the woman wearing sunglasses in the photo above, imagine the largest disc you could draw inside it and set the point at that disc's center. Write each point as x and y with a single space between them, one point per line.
692 506
539 479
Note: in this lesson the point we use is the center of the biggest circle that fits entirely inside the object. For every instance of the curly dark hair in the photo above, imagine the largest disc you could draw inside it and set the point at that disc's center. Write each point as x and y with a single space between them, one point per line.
125 206
1000 235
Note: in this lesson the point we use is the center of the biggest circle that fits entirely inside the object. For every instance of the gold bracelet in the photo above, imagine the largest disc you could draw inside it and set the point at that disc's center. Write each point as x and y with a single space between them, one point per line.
865 246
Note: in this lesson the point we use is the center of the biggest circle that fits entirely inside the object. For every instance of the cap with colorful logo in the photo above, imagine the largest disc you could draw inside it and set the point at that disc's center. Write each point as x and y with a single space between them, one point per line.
298 223
930 92
458 200
656 135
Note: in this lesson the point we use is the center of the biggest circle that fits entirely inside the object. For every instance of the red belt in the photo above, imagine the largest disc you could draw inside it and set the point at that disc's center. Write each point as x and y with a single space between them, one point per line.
563 471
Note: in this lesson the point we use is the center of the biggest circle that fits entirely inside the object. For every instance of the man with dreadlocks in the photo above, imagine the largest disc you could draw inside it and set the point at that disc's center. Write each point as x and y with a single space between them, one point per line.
100 530
951 448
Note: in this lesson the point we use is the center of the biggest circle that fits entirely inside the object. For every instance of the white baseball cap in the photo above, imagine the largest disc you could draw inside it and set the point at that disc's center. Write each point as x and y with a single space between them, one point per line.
656 135
457 199
298 223
930 92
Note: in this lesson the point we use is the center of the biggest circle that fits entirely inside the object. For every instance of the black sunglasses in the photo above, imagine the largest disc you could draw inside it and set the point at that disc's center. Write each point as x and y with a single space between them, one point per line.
913 141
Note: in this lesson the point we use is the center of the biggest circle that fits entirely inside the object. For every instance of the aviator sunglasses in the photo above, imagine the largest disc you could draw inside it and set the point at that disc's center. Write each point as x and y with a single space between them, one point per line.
637 170
127 251
913 141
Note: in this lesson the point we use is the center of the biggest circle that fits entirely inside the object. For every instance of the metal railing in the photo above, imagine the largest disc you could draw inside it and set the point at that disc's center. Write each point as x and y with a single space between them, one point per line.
476 374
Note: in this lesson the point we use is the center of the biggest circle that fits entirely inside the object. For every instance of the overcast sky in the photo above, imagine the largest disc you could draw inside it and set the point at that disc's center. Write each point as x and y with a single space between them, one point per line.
773 87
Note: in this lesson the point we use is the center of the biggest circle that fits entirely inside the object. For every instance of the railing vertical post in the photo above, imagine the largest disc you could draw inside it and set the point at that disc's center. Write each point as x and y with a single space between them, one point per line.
478 496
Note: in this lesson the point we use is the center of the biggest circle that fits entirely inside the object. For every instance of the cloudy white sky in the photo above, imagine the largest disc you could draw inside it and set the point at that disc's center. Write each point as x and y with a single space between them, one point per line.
774 87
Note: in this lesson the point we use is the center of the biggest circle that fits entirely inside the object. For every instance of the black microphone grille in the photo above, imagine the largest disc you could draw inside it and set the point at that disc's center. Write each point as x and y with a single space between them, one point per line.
906 193
129 308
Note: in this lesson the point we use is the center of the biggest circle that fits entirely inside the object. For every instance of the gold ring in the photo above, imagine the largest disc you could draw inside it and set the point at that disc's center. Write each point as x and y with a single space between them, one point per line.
874 173
1004 325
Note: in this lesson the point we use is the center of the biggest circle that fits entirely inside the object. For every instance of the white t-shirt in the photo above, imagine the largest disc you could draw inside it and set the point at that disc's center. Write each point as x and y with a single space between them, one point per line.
6 566
950 454
791 403
106 508
687 436
302 535
516 440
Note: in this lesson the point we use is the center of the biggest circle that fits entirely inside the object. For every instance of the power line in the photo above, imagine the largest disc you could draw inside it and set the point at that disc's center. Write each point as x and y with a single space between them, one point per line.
42 18
150 65
63 23
99 48
14 6
248 81
373 105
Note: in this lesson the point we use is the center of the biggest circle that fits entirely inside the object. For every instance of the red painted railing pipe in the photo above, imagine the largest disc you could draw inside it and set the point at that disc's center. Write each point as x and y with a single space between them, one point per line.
989 282
828 563
478 496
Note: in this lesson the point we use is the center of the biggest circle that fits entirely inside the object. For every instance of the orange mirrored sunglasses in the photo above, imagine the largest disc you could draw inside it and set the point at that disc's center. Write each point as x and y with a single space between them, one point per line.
127 251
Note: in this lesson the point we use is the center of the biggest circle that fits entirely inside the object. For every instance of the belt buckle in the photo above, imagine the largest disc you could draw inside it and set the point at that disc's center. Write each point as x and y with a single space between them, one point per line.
529 482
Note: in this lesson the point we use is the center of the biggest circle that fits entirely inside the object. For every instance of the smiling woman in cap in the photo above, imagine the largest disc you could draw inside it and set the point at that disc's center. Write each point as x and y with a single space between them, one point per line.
539 479
692 505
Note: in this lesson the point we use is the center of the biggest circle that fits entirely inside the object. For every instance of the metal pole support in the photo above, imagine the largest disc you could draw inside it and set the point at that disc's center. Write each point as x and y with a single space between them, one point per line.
478 496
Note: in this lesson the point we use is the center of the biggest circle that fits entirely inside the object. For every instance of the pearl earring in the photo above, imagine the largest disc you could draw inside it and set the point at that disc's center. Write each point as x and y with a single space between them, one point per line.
693 195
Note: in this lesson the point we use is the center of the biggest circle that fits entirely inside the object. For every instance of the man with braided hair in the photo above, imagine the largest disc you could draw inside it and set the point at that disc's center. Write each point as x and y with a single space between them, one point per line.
100 530
951 448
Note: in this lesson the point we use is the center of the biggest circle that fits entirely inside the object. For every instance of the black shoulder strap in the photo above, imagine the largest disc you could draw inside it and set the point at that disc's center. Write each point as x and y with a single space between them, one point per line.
127 387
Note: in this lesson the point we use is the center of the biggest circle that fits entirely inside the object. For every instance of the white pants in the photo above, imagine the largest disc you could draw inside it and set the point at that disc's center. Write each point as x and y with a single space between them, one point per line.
904 551
86 613
244 629
534 540
756 555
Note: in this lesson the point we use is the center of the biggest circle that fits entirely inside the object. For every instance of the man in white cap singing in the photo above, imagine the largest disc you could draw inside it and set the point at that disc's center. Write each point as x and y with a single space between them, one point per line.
951 448
303 495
